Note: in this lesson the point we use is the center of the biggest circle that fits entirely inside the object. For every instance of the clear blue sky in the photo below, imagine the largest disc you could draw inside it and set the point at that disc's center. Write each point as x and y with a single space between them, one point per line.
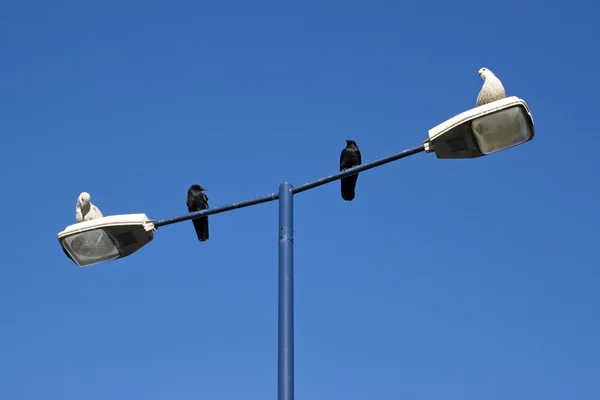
443 279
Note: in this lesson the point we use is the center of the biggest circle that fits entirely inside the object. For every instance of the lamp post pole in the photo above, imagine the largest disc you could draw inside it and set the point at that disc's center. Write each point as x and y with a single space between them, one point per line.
285 337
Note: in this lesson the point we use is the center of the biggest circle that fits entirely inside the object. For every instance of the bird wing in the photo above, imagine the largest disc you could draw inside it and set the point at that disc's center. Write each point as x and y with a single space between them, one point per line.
345 159
78 214
203 201
94 212
480 96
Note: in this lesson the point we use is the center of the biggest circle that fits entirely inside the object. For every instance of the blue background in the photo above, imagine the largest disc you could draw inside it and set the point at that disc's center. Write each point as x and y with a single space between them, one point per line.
453 279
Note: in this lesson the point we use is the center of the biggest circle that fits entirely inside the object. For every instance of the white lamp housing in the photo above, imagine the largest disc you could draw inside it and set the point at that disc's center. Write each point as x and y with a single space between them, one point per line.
105 239
482 130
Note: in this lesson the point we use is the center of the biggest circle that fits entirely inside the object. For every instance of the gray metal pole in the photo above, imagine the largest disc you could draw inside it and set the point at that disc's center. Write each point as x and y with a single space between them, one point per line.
285 379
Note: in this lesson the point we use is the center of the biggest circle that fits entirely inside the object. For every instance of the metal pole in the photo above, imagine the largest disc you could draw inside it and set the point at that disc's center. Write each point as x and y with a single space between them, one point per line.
297 189
216 210
357 169
285 378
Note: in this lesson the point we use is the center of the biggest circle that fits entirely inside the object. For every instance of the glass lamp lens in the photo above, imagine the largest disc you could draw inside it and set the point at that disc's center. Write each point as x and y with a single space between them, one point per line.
91 247
501 130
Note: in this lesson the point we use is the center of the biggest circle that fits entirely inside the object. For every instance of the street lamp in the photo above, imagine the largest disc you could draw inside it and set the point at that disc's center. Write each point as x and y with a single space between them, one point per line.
482 130
106 239
474 133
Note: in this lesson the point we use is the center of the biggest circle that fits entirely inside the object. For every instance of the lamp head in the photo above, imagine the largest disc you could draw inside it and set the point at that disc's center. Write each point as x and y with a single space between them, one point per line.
482 130
106 239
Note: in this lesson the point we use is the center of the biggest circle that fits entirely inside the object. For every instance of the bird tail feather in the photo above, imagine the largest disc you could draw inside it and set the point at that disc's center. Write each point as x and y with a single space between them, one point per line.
201 227
348 194
348 186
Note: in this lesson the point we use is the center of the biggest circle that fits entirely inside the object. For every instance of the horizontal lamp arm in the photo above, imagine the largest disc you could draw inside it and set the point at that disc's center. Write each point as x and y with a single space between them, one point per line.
298 189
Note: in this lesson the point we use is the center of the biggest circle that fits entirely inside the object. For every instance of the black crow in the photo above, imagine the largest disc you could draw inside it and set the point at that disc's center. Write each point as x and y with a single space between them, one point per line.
198 200
349 158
